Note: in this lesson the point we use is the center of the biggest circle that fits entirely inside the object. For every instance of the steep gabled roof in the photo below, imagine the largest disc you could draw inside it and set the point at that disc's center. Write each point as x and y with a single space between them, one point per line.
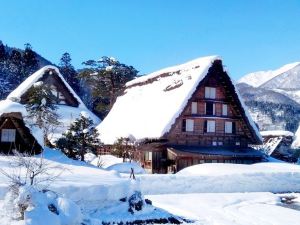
66 113
150 104
27 83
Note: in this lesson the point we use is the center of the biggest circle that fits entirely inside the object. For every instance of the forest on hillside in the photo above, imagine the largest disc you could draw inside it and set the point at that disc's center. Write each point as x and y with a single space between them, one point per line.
98 83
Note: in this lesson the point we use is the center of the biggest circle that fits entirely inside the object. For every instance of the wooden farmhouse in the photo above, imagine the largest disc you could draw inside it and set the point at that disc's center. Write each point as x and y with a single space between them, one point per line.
17 132
184 115
278 144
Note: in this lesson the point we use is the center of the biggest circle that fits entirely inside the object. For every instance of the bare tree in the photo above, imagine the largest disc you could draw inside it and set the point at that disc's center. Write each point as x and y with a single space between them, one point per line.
25 171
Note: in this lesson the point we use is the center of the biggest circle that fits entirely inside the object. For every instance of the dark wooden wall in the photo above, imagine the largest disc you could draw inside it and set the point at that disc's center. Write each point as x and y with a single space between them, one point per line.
224 95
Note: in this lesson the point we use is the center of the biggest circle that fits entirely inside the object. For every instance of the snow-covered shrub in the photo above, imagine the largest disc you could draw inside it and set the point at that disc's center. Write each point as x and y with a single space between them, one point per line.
136 202
45 207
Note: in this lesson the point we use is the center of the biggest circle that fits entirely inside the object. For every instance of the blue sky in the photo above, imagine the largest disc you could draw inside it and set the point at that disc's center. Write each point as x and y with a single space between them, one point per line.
249 35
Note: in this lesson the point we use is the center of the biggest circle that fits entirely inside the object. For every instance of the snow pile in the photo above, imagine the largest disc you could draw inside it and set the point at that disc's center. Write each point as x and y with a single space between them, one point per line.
229 208
84 194
40 207
159 97
126 167
257 79
212 177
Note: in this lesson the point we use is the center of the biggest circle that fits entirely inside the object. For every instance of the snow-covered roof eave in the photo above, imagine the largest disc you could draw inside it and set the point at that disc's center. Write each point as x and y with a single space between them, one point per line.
246 111
28 83
200 66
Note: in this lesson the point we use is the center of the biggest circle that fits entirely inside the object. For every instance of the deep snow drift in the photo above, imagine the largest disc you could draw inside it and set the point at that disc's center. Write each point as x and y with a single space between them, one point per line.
229 209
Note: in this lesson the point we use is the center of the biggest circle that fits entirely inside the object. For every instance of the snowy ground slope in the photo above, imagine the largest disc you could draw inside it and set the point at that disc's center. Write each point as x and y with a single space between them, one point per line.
228 209
78 177
218 178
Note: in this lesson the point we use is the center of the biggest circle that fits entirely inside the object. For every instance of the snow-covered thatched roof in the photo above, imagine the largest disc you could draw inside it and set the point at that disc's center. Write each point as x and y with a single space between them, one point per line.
151 104
67 114
32 79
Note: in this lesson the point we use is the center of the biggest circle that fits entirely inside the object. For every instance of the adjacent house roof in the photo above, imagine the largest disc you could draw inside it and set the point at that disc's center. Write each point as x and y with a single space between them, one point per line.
150 104
66 113
8 106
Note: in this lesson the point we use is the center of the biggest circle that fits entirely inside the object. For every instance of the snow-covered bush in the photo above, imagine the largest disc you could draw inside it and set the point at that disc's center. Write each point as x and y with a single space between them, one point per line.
45 207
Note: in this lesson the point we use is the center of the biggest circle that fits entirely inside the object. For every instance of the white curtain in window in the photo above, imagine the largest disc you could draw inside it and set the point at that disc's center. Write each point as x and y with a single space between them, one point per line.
211 126
8 135
228 127
194 108
224 110
210 92
189 126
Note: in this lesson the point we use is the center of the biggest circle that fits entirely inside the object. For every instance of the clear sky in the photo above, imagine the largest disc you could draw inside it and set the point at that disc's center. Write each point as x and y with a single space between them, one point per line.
249 35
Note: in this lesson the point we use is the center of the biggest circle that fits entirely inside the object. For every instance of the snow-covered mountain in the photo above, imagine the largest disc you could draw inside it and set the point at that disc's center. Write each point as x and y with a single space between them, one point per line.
283 77
273 97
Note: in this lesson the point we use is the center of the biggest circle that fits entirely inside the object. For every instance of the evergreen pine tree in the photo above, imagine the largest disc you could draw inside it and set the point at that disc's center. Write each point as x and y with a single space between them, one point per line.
15 67
41 110
30 61
80 138
3 53
68 72
106 78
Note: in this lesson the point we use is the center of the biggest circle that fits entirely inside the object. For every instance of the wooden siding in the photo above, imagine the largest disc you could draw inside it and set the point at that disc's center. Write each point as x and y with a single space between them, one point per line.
24 141
55 80
224 95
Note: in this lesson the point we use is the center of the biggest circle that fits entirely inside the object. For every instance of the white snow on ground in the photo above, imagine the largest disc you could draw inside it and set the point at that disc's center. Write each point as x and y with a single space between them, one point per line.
218 178
256 79
97 192
126 168
228 209
103 161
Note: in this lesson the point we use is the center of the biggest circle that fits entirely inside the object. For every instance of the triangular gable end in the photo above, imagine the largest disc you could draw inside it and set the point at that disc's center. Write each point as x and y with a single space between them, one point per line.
59 89
216 77
23 142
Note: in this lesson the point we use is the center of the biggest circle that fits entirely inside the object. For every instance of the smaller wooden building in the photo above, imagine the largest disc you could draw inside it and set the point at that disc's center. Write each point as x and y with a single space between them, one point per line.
278 144
15 133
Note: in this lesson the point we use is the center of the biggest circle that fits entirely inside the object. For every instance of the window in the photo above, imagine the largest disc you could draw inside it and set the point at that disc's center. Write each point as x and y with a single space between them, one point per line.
189 125
228 127
210 126
210 92
214 143
238 143
8 135
194 108
220 143
210 108
224 110
148 156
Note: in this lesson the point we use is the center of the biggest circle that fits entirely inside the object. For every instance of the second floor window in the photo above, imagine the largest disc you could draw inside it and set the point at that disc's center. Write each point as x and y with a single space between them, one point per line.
229 127
187 125
209 108
210 92
224 110
194 108
210 126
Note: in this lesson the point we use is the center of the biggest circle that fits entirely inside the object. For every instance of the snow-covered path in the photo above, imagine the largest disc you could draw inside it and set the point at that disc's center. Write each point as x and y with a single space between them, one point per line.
229 209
